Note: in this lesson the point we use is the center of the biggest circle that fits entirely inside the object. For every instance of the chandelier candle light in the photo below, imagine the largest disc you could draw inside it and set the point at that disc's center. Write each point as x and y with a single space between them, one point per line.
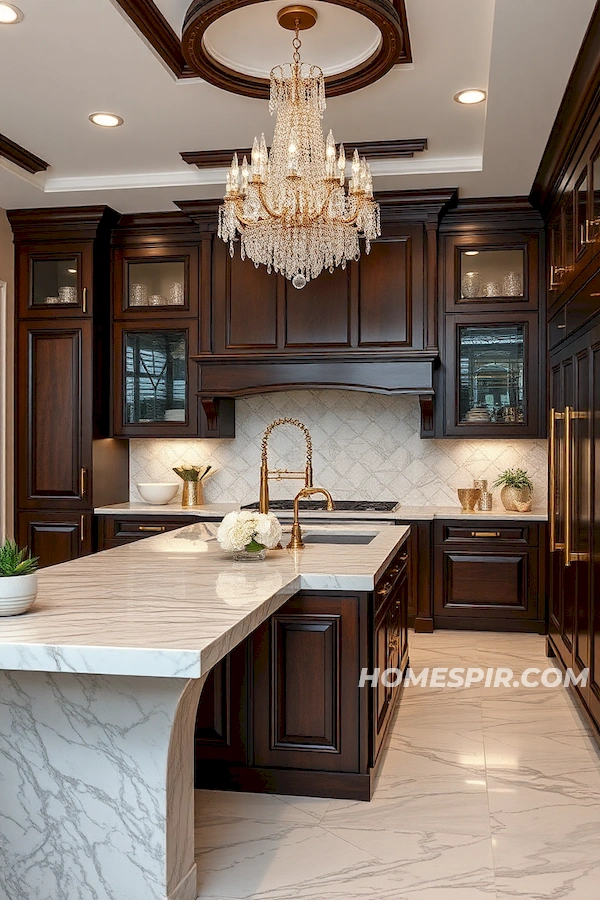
290 206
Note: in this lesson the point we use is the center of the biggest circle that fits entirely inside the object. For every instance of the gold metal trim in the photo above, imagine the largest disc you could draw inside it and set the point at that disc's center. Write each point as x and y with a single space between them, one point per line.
567 486
554 418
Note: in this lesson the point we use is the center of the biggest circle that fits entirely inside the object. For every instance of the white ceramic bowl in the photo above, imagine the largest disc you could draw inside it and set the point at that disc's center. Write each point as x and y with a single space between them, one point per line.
158 494
17 593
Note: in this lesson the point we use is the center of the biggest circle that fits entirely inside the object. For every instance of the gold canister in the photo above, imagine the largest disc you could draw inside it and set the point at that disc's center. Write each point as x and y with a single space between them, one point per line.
192 495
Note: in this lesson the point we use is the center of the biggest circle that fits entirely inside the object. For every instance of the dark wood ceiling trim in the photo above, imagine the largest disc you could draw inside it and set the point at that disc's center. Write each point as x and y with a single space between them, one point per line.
21 157
577 113
151 23
417 205
61 222
388 15
403 149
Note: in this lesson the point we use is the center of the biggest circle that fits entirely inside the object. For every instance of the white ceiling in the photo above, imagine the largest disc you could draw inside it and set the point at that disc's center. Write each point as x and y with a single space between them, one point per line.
83 57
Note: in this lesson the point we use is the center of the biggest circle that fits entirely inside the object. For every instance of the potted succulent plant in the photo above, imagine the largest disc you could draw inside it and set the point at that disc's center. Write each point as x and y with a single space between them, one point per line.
18 579
517 489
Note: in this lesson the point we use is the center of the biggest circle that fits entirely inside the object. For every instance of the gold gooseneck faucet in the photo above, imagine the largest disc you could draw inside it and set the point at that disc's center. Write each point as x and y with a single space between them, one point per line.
296 542
281 474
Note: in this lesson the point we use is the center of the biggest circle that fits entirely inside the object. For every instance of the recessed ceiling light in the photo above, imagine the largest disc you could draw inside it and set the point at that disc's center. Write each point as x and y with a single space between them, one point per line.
9 14
473 95
471 252
107 120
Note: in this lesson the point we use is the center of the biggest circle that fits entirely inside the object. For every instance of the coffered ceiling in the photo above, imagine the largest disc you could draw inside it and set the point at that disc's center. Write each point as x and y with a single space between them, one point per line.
69 58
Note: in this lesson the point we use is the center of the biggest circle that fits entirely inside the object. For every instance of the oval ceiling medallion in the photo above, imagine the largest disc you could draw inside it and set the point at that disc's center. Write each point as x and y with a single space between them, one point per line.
234 44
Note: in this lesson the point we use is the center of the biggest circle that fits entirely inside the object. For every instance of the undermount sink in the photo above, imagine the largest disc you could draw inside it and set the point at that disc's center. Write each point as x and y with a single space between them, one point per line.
338 537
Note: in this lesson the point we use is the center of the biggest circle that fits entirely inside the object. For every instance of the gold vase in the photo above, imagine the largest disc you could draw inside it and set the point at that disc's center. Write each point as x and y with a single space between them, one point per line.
517 499
193 494
468 498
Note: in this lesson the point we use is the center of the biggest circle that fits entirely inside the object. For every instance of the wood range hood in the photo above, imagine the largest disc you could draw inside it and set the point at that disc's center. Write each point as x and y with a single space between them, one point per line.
371 327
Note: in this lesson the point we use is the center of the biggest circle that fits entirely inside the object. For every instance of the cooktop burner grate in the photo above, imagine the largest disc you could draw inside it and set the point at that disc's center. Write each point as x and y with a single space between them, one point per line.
340 505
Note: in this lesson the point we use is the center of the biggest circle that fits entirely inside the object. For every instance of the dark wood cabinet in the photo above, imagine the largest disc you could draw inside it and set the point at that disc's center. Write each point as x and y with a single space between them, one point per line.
286 713
55 537
66 463
116 530
574 621
492 303
489 576
54 426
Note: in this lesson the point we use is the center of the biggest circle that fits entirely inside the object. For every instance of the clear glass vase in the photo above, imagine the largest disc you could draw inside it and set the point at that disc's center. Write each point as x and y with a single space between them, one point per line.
250 555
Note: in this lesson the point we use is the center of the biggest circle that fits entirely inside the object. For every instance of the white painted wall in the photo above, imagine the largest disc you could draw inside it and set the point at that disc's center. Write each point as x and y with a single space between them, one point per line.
7 318
366 446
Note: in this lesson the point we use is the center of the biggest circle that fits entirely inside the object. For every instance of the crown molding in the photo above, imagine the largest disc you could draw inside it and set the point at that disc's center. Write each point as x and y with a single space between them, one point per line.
577 114
148 21
401 149
21 157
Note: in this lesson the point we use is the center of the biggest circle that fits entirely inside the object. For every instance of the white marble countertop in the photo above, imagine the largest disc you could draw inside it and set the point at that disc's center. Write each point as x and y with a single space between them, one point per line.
404 513
174 604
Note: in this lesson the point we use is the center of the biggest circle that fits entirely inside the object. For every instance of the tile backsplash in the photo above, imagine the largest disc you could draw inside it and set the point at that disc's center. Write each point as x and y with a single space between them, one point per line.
366 446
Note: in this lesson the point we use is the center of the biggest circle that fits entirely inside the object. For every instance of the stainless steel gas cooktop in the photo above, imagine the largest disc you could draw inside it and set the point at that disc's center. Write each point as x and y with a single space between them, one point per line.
340 505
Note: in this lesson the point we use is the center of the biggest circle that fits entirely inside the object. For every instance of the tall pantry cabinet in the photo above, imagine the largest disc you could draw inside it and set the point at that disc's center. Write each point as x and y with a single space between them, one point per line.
66 463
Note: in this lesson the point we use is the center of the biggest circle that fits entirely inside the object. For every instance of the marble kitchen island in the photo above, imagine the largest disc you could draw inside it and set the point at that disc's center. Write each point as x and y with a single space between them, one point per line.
99 685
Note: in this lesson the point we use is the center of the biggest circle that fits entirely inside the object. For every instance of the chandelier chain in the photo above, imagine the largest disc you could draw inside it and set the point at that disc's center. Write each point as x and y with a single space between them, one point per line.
297 43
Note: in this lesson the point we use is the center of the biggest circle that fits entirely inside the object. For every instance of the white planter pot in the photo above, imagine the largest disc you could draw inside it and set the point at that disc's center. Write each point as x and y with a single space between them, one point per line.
17 593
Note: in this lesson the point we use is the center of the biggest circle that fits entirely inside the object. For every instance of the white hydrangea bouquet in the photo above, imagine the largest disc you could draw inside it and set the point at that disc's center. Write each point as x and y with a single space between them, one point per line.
249 534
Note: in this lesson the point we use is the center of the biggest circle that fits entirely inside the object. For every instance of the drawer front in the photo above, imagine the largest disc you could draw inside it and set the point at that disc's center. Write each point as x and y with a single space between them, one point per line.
134 528
486 532
396 569
486 583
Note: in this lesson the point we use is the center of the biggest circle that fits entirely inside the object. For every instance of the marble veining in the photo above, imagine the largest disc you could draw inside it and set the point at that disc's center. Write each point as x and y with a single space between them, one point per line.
367 446
460 812
174 604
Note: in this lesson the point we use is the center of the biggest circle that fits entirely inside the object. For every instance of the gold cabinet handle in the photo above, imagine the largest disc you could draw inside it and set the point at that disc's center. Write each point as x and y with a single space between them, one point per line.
84 300
394 644
567 486
82 482
82 528
552 506
404 557
383 590
491 534
151 528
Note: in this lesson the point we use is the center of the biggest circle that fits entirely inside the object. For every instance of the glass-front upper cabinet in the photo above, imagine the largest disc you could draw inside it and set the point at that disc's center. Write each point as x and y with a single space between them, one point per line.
55 280
492 375
492 274
491 271
155 377
157 283
154 393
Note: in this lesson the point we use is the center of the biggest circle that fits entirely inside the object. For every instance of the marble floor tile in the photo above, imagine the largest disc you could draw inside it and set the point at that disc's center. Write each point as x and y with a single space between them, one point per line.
484 794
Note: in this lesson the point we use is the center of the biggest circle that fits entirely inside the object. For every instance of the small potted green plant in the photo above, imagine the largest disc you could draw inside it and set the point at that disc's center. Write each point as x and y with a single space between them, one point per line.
517 489
18 579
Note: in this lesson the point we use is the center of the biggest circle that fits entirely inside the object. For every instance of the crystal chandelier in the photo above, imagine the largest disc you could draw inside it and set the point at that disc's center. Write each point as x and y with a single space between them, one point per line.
290 207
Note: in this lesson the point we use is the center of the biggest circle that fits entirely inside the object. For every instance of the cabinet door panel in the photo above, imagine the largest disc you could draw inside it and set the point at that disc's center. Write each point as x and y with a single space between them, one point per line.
54 414
386 293
245 310
55 281
55 537
486 584
319 314
222 717
306 676
594 684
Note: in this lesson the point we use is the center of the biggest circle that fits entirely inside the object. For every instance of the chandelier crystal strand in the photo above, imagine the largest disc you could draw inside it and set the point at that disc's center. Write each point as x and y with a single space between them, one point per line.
290 207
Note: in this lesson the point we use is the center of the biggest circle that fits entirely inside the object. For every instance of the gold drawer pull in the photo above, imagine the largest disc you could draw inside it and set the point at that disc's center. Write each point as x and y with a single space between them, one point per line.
82 528
394 644
404 557
383 590
151 528
493 534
